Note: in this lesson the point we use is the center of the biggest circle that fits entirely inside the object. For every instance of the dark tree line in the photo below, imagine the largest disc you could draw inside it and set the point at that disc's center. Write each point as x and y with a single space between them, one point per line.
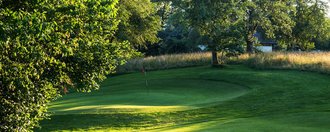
223 25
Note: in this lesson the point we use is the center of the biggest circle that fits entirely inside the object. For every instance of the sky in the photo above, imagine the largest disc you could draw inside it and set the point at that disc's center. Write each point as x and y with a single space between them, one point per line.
328 1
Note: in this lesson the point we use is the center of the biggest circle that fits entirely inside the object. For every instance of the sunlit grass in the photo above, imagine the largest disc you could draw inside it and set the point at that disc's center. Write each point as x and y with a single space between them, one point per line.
121 109
309 61
235 98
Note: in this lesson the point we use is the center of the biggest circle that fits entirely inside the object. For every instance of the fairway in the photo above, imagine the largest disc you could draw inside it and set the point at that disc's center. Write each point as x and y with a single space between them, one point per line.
235 98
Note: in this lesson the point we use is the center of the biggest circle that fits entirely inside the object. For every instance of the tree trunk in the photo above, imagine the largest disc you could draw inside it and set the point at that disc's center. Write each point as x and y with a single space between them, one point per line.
250 41
251 30
249 47
215 58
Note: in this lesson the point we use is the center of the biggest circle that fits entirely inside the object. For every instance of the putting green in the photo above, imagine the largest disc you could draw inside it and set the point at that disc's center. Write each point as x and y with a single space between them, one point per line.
236 98
161 95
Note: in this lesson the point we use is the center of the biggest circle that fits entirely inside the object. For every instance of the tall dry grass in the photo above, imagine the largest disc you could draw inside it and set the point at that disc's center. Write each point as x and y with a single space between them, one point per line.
309 61
166 62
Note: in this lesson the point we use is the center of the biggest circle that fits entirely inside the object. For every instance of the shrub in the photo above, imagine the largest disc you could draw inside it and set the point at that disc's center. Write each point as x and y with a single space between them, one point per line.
49 46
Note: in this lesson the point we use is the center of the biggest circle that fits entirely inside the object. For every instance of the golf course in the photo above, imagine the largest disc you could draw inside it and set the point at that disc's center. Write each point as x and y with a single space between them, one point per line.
235 98
164 65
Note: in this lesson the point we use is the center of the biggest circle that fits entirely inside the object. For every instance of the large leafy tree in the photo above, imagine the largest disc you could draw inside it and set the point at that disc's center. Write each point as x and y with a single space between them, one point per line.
139 22
178 35
310 24
216 21
49 46
164 10
271 16
323 42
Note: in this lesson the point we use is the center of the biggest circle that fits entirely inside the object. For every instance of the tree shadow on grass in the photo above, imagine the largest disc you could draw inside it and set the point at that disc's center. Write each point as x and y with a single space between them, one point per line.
87 121
84 122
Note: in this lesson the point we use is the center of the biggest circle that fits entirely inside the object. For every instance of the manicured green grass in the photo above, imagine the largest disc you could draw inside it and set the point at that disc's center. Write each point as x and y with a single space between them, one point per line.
236 98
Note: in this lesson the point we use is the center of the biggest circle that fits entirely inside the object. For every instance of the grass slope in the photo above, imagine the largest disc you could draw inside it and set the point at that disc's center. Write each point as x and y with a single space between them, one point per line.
199 99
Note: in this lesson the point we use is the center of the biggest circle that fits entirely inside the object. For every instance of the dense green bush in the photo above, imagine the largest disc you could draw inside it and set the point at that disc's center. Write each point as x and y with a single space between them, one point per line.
49 46
139 23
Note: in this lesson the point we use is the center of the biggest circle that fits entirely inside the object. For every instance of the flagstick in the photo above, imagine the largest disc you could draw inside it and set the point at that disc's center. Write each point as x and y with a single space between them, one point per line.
145 76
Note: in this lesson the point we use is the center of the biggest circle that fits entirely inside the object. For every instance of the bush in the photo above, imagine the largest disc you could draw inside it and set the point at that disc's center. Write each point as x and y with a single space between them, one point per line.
49 46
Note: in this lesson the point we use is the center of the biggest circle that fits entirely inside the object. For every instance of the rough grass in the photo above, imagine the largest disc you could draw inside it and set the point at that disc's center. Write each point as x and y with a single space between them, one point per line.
166 62
235 98
309 61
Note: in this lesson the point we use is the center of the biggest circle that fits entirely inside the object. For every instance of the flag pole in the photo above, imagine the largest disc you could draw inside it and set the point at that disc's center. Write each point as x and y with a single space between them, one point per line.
145 77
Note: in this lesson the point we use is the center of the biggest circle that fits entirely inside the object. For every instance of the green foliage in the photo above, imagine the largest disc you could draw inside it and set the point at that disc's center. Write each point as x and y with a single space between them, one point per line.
213 20
310 25
217 22
47 47
178 39
164 10
271 16
198 22
293 24
323 42
177 35
139 22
